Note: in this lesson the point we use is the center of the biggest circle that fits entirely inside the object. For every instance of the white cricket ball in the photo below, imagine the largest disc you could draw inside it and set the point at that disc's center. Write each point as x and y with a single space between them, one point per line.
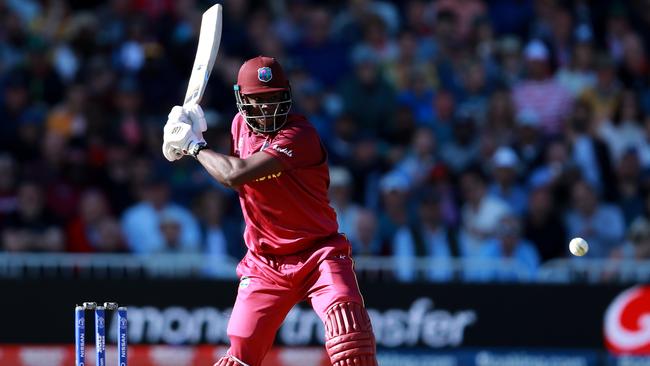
578 246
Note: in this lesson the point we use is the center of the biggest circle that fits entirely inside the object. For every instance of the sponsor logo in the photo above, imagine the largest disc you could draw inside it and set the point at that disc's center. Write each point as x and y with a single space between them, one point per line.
82 346
340 256
177 325
172 356
627 322
276 175
245 281
418 324
283 150
100 343
421 323
264 74
35 356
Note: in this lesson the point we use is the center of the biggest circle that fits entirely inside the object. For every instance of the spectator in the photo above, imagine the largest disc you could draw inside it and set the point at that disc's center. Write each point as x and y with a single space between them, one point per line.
634 65
557 171
141 222
417 96
601 225
520 257
31 228
42 78
617 27
528 143
500 119
604 95
541 93
629 195
427 238
349 21
366 167
463 150
340 146
410 61
340 194
127 125
69 119
467 11
367 96
644 149
624 257
561 26
543 225
109 235
475 92
318 53
395 189
481 213
8 194
421 160
170 225
221 235
505 168
30 133
511 68
366 239
624 130
309 98
590 153
443 106
12 106
579 74
637 246
377 38
91 230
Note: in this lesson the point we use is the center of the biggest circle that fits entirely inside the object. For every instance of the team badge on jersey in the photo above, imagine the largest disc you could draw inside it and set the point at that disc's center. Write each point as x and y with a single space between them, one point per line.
264 74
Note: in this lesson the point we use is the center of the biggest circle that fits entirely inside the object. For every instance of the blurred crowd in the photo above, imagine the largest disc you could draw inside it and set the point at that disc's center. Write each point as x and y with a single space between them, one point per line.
455 128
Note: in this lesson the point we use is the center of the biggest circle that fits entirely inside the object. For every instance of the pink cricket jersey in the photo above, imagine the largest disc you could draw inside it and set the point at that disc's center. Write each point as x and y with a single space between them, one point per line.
286 212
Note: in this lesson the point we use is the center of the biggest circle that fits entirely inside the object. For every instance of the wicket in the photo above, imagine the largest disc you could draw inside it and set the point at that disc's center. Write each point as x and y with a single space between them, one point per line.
100 333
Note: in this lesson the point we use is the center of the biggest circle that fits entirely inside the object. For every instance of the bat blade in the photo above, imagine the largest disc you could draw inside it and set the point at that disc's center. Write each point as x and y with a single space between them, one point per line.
206 53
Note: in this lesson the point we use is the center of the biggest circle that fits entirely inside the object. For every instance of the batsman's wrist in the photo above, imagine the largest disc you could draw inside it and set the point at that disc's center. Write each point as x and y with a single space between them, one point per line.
196 148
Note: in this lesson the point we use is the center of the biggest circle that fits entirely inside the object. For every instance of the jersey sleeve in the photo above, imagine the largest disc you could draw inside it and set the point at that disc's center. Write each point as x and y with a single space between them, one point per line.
297 147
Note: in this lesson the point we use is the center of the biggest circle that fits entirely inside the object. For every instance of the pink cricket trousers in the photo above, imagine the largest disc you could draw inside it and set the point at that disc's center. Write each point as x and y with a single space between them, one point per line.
271 285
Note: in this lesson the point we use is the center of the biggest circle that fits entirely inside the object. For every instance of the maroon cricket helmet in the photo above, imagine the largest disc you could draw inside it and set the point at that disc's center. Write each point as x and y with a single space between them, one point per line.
257 76
261 75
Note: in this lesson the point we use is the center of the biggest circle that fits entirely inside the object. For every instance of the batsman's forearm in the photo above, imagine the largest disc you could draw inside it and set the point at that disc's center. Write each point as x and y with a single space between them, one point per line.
225 169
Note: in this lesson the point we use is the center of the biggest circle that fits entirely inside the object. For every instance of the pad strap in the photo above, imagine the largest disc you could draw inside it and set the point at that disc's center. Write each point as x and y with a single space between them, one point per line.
230 361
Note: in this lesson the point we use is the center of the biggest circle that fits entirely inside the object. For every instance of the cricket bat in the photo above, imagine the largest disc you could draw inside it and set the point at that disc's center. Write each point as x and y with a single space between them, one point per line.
206 53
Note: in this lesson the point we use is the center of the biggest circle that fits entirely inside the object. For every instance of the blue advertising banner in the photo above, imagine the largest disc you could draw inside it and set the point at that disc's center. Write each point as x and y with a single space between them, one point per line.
440 317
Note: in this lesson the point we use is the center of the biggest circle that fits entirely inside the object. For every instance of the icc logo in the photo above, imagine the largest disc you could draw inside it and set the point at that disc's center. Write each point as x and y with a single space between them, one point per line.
100 322
627 322
81 322
122 323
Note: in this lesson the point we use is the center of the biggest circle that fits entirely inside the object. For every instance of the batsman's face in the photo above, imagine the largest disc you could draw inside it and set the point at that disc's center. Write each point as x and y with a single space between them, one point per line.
264 104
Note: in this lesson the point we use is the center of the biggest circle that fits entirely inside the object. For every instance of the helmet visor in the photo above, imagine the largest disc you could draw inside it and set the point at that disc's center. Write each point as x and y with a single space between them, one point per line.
265 112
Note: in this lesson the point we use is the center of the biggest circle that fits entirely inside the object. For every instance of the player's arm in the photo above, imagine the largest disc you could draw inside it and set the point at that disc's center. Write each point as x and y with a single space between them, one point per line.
232 171
182 137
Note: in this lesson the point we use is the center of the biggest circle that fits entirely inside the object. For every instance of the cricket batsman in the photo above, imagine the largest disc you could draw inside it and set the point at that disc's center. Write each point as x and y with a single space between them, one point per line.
278 165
